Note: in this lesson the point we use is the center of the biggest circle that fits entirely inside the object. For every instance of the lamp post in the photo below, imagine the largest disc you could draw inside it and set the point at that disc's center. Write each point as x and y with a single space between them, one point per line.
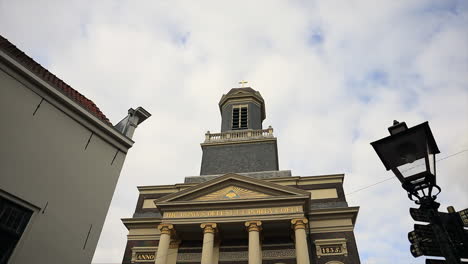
410 154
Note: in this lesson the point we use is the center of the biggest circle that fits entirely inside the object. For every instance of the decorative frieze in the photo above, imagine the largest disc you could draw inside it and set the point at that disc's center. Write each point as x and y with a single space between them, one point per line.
240 255
234 212
147 254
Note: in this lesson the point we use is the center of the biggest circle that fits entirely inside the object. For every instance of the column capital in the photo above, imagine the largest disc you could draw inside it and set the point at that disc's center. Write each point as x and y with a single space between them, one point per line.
208 227
299 223
166 228
253 226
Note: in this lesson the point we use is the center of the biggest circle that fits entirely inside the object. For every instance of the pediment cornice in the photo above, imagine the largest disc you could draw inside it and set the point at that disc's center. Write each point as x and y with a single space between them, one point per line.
231 188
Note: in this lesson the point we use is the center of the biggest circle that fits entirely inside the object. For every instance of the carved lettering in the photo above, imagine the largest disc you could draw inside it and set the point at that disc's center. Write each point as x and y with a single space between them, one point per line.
331 249
234 212
145 256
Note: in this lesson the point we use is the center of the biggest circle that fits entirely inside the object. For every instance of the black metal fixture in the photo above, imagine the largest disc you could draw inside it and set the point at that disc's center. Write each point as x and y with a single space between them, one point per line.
410 154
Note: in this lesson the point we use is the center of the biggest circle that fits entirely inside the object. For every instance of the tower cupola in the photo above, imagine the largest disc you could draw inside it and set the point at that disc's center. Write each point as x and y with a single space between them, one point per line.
242 108
242 145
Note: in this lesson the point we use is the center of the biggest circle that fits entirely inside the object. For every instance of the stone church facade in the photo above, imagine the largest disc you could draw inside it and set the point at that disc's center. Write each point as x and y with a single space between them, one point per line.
242 208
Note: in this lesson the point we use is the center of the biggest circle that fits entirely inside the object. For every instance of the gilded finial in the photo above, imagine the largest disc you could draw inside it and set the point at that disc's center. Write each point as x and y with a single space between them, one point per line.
242 83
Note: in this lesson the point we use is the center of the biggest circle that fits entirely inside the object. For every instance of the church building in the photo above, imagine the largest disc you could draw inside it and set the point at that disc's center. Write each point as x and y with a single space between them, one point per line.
242 208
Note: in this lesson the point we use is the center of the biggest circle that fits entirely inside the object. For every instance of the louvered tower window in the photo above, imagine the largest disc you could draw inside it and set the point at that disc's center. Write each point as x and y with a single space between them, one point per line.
239 117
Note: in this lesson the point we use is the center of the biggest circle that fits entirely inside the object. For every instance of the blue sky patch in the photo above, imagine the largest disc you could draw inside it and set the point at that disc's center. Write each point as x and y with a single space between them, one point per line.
183 38
316 37
378 77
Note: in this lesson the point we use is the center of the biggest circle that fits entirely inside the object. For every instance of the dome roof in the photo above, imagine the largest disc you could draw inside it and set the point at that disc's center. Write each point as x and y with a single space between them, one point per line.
243 93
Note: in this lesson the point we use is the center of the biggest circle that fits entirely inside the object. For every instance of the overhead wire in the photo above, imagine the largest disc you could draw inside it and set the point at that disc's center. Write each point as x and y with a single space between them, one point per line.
392 177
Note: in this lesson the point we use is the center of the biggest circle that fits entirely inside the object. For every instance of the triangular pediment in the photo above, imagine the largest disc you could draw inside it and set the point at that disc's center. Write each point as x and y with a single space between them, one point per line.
232 192
233 187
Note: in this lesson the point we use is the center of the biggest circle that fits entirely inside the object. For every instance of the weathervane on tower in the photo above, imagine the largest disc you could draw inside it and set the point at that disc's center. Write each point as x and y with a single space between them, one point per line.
242 83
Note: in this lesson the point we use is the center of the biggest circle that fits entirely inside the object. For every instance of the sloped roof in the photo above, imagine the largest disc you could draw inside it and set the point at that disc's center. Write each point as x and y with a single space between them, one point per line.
41 72
243 89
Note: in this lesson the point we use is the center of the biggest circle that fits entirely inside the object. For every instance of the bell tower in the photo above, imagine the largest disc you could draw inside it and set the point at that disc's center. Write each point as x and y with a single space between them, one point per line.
242 145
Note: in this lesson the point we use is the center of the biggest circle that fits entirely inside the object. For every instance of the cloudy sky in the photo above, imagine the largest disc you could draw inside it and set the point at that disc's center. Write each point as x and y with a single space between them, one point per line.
334 75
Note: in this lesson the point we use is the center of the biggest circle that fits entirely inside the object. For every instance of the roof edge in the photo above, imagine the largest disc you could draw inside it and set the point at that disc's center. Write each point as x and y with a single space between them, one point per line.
62 98
37 69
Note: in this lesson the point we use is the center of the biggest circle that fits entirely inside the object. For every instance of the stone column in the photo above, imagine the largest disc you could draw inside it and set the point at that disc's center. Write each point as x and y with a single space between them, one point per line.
255 252
208 241
302 252
164 241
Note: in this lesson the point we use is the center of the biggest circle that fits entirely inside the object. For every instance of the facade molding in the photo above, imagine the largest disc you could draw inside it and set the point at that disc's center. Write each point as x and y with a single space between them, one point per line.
247 141
285 181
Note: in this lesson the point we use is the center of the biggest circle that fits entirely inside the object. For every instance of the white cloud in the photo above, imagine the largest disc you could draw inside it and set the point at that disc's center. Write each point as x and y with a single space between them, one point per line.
334 75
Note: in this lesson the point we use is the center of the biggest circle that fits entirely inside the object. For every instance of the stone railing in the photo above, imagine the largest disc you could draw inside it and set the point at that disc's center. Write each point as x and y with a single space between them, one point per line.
239 135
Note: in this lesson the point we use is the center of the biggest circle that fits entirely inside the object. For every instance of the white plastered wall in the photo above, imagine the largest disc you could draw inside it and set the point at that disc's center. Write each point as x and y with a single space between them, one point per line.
43 161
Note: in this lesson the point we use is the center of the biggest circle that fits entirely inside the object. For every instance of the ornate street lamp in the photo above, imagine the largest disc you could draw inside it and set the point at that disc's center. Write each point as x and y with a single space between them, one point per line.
410 154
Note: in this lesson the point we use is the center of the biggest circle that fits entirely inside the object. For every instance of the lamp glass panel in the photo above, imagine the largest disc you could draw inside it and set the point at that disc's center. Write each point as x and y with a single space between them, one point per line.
413 168
432 163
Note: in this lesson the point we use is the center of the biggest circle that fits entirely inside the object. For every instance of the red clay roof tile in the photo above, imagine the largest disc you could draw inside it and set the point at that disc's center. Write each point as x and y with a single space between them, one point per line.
15 53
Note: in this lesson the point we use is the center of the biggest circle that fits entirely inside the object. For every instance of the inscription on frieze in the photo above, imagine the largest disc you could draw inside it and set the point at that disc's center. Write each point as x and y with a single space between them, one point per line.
234 212
144 256
331 249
